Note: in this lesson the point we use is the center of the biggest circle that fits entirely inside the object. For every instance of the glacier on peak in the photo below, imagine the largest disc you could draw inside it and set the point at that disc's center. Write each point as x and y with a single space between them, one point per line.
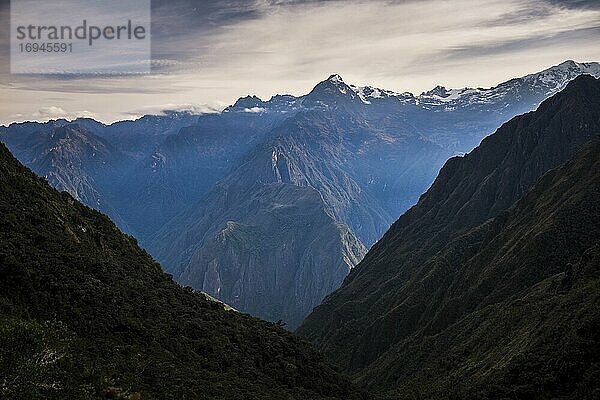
548 81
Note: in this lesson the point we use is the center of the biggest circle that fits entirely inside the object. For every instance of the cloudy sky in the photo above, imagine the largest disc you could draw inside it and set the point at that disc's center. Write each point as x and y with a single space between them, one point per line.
206 54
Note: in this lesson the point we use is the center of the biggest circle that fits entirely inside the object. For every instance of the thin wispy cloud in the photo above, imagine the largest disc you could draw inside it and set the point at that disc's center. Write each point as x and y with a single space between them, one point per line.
162 109
212 52
54 112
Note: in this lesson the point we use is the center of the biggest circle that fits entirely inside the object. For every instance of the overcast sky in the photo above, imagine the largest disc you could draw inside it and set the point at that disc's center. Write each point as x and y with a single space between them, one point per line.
206 54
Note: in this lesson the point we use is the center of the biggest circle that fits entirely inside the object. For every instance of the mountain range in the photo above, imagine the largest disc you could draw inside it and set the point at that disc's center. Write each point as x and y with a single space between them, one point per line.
224 201
489 286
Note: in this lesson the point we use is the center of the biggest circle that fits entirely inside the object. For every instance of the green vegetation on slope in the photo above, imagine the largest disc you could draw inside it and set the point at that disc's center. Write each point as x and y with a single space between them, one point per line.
514 305
85 313
470 295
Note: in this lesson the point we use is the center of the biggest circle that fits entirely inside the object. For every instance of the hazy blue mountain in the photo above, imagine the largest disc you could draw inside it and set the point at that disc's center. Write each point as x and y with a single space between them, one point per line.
87 158
279 233
369 153
71 158
139 137
272 250
186 165
488 286
174 159
264 239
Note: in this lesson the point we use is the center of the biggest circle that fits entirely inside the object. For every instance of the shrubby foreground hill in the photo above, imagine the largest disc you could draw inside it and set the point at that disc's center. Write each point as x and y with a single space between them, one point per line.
85 313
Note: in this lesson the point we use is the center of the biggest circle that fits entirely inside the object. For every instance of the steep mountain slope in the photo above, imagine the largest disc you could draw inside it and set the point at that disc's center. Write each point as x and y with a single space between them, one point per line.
186 165
72 159
275 252
87 158
433 301
264 240
85 313
376 154
512 309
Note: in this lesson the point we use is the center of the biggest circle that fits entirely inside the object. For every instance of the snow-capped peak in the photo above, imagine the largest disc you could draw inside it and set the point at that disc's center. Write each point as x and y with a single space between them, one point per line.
328 92
334 90
548 82
335 79
441 94
556 77
439 91
368 93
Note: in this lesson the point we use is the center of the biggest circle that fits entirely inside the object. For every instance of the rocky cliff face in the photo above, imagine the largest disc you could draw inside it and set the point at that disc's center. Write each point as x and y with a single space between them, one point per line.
456 291
264 240
278 259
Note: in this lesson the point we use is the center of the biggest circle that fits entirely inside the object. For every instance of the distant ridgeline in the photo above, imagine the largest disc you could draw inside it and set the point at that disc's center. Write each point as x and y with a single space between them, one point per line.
268 205
489 287
86 314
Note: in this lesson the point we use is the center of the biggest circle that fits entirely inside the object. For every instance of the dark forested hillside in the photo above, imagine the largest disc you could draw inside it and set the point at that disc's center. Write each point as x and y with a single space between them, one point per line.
85 313
490 286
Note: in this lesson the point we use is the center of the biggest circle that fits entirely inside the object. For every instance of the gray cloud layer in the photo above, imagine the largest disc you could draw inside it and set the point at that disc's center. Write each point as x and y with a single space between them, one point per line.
209 53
